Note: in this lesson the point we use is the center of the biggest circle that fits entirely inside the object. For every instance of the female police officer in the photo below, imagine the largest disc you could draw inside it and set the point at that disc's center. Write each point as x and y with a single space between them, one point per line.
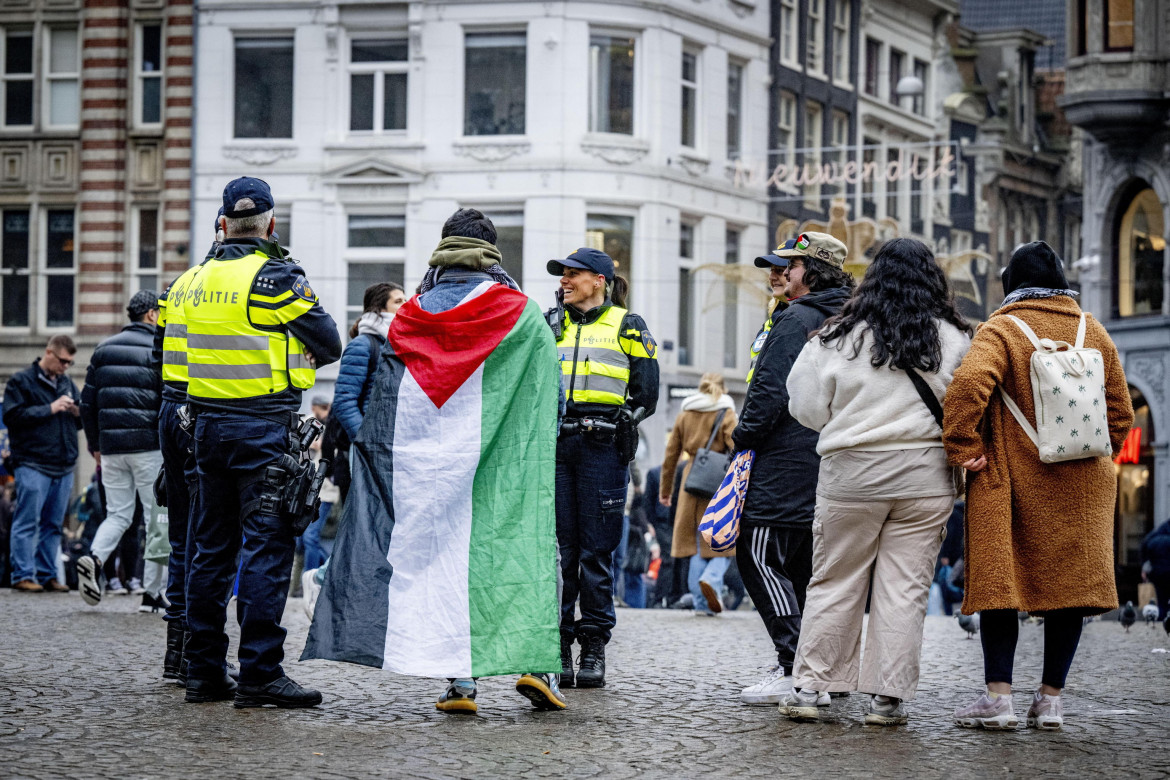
609 372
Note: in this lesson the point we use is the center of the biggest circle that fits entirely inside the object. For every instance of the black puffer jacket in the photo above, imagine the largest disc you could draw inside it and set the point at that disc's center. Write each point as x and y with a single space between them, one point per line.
782 491
122 394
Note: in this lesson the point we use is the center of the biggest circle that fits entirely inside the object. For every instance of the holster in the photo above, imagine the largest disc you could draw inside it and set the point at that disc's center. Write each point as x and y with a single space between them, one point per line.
160 487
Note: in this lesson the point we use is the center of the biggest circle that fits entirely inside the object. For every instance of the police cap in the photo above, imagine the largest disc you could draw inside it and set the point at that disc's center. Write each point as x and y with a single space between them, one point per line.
247 187
590 259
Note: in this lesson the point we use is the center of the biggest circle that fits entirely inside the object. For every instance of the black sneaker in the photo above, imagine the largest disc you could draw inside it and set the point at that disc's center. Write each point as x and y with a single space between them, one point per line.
153 604
90 579
200 691
567 662
591 665
281 692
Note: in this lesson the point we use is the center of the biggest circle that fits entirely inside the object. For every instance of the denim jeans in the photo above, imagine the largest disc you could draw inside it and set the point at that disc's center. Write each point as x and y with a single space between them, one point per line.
310 541
708 570
35 543
125 476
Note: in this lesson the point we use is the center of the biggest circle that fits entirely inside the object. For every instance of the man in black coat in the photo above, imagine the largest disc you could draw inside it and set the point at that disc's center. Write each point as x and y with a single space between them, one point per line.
119 407
41 412
774 551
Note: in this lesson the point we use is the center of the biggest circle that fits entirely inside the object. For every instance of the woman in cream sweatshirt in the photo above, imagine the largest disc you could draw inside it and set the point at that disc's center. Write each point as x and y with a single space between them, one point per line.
885 491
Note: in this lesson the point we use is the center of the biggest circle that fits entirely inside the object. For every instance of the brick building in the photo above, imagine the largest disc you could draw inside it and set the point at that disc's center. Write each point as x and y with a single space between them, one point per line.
95 157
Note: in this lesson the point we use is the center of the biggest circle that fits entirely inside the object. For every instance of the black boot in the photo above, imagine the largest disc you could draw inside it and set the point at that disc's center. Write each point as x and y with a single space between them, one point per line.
173 666
281 692
591 673
567 662
199 691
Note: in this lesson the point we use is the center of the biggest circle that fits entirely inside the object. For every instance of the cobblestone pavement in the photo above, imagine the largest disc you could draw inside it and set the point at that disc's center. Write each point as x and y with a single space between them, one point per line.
81 696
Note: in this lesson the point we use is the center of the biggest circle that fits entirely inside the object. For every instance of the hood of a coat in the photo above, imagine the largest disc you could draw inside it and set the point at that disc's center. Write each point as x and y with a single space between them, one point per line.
376 323
828 302
701 402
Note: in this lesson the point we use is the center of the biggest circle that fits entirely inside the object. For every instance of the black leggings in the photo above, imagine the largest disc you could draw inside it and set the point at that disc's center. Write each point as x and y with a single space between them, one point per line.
999 629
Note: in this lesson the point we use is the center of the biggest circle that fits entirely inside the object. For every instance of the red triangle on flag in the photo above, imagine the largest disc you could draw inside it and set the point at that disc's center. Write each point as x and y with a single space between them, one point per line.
443 349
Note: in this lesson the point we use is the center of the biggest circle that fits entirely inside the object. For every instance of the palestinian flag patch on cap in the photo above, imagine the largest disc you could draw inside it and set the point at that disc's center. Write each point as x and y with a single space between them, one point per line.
802 243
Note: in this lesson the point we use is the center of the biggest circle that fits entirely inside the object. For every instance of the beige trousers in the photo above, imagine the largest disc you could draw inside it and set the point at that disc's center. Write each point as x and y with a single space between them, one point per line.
898 540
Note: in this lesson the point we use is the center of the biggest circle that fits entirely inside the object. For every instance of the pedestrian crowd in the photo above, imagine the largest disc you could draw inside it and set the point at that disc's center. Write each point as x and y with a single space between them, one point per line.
466 501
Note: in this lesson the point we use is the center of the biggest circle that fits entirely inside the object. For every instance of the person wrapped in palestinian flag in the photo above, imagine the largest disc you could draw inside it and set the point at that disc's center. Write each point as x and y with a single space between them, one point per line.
445 564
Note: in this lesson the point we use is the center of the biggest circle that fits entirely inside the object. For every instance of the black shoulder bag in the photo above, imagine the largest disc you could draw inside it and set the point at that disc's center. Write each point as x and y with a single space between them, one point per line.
958 473
709 468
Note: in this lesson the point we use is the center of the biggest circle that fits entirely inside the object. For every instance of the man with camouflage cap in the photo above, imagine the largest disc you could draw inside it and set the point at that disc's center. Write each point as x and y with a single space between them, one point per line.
119 409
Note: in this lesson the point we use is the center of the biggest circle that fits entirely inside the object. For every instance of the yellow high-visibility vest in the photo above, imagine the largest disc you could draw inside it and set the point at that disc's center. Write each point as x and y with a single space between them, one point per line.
171 320
596 358
757 347
228 355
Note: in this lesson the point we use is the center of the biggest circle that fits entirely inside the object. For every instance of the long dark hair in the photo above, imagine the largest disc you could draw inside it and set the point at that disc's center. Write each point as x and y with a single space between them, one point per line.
374 300
902 296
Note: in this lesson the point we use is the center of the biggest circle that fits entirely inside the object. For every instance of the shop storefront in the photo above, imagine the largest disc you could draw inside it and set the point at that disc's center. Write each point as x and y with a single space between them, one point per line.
1137 475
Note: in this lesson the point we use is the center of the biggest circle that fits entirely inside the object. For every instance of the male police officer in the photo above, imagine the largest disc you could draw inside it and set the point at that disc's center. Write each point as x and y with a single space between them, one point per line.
255 334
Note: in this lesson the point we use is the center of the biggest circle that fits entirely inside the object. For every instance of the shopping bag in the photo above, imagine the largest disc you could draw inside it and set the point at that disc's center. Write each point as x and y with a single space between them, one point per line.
720 526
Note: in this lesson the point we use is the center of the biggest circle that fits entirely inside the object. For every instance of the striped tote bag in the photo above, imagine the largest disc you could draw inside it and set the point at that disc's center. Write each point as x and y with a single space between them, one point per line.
720 526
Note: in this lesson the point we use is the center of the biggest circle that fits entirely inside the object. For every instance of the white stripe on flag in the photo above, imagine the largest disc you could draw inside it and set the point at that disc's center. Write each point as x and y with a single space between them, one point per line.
436 454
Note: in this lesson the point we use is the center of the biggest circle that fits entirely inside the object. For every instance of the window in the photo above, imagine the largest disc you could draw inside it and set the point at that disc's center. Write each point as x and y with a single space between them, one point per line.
873 56
613 235
494 81
868 174
916 192
731 343
686 317
896 60
734 110
690 91
786 128
376 253
841 10
813 140
264 88
1081 20
147 242
18 78
611 73
921 72
787 33
893 156
377 84
60 268
63 105
1141 257
14 251
148 70
510 241
283 216
814 49
839 139
1118 25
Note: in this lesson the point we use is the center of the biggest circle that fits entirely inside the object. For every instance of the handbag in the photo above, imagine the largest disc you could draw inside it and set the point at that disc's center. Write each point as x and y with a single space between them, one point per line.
720 525
708 468
958 473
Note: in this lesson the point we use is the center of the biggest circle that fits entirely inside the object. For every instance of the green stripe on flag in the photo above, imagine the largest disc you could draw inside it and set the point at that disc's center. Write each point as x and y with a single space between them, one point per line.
512 594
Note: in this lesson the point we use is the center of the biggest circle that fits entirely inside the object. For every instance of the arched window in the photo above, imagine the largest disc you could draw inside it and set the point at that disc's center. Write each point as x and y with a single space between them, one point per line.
1141 256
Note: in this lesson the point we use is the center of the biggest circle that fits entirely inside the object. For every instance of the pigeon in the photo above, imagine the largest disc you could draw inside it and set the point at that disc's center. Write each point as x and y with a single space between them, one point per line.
969 623
1128 616
1150 613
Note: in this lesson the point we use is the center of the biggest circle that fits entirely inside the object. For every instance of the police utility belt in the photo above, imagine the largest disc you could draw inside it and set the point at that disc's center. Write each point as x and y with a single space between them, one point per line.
292 485
621 432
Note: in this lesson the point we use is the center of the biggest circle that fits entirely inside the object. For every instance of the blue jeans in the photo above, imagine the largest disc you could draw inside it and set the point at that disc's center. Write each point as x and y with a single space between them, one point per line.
231 450
35 543
591 498
709 570
310 541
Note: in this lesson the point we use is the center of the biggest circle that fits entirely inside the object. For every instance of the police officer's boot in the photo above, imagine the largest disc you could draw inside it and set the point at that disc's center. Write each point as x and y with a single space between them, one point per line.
174 667
567 662
591 673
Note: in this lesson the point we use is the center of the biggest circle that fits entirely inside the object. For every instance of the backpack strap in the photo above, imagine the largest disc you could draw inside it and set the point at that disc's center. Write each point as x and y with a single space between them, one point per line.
927 395
1020 418
1027 331
1081 332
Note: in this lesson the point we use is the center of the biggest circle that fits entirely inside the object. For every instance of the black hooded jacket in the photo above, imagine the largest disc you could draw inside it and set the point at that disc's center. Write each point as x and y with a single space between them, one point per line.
783 484
122 393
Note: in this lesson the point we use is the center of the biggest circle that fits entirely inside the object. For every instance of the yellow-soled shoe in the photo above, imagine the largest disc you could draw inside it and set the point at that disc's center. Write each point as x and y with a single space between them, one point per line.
459 698
542 690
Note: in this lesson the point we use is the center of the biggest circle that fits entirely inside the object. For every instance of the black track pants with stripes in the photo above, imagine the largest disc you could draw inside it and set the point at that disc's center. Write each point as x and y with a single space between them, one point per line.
776 565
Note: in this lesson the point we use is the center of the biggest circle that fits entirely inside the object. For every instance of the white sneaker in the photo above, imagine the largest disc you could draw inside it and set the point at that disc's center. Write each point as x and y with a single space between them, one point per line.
135 587
802 705
823 699
770 690
311 590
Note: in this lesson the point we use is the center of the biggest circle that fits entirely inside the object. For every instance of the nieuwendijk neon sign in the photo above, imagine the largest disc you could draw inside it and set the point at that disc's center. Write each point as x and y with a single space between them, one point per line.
836 166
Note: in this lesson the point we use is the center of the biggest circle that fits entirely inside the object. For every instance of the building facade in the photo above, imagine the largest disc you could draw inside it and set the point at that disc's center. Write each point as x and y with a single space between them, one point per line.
1117 85
610 124
95 149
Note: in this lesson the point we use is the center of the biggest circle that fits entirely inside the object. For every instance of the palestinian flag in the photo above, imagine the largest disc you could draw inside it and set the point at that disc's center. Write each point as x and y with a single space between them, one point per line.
445 560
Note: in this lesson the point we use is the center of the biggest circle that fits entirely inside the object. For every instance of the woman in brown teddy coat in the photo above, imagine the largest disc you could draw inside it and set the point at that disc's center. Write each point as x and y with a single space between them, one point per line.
1039 536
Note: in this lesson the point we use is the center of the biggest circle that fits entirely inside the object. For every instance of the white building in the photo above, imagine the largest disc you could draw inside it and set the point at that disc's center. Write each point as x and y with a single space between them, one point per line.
611 124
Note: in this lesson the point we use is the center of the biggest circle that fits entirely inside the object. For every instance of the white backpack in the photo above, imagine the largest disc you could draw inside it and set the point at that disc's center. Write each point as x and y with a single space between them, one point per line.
1068 389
